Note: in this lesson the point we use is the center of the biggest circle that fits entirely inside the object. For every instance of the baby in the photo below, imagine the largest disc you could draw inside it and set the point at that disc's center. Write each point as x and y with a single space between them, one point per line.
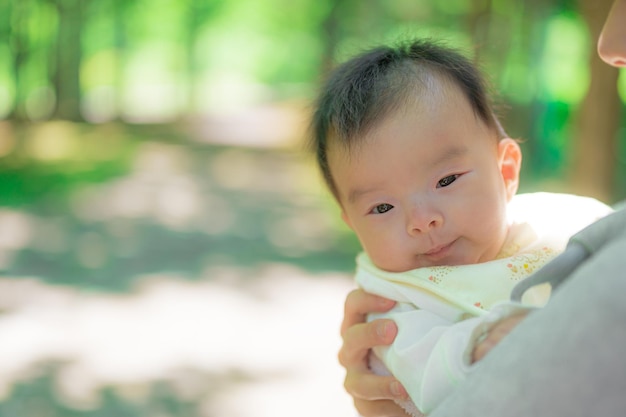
426 177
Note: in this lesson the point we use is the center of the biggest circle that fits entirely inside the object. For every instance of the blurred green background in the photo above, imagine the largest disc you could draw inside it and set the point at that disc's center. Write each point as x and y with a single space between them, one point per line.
151 147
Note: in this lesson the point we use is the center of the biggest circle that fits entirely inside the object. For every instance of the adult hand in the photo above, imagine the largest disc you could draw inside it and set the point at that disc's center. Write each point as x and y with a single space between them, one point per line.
373 394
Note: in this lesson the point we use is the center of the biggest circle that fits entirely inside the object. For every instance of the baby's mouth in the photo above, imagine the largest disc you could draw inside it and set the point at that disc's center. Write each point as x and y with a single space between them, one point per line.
439 251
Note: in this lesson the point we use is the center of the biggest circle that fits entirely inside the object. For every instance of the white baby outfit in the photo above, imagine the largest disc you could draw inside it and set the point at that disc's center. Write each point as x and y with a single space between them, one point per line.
442 311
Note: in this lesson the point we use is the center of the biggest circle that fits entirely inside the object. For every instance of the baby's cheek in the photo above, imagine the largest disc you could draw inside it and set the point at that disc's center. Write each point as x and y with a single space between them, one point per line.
390 258
489 233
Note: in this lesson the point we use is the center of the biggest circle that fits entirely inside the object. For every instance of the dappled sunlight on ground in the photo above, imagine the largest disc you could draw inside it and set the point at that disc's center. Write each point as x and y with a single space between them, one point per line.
260 126
168 278
179 207
279 334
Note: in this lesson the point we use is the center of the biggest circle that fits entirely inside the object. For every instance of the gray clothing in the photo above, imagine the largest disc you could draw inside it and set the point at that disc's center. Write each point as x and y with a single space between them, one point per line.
568 358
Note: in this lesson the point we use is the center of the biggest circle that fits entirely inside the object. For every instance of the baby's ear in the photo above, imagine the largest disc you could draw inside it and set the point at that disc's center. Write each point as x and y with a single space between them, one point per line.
510 163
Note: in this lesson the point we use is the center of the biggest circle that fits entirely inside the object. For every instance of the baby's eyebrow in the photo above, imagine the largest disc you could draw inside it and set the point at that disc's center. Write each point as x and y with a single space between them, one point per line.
357 193
449 154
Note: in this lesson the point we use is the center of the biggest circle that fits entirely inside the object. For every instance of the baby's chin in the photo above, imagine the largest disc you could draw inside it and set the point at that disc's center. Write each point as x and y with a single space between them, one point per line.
421 261
409 266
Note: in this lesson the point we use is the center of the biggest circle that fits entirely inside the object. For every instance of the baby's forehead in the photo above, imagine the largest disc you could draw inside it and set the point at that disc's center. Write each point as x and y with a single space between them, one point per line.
359 108
432 94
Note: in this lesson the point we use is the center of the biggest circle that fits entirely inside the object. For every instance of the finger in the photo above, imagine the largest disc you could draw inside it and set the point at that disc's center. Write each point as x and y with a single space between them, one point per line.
358 304
380 408
496 334
482 349
494 337
504 327
370 387
360 338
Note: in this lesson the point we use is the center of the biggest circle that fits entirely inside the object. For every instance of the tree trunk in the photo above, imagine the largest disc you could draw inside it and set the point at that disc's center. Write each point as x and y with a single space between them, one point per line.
592 167
330 34
120 46
19 48
193 25
478 22
69 52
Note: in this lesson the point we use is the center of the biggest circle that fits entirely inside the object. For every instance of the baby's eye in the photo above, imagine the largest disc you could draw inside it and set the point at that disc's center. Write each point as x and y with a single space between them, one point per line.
445 181
382 208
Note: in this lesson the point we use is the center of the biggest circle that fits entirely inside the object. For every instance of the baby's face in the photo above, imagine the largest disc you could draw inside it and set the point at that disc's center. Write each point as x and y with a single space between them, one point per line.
428 186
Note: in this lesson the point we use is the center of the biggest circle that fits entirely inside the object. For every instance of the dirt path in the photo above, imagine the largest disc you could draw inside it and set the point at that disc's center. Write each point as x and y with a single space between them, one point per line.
207 281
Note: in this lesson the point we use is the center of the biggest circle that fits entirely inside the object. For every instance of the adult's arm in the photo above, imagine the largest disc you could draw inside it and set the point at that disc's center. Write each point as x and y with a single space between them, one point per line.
567 359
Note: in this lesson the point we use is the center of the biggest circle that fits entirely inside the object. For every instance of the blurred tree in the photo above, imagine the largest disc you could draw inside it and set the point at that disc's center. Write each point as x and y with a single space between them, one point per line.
119 46
126 58
330 35
478 22
68 59
593 163
198 14
19 46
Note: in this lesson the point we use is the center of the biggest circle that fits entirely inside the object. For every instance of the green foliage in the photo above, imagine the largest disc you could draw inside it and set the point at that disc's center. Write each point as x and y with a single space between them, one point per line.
567 42
162 60
277 42
50 161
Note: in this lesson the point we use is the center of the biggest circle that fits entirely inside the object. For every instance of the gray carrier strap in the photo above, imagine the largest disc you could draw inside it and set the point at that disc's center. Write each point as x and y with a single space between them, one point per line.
582 245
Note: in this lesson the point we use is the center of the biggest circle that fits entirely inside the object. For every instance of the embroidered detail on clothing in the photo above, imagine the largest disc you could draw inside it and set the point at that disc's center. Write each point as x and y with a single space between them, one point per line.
525 264
439 273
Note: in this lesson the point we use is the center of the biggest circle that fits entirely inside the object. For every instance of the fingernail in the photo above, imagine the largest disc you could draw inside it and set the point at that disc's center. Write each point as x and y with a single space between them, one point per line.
384 302
383 330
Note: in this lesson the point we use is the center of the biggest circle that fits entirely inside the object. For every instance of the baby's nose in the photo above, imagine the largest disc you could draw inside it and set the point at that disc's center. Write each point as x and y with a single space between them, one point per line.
423 219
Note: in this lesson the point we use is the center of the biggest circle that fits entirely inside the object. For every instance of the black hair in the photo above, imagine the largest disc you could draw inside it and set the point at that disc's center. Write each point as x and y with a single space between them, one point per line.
363 90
